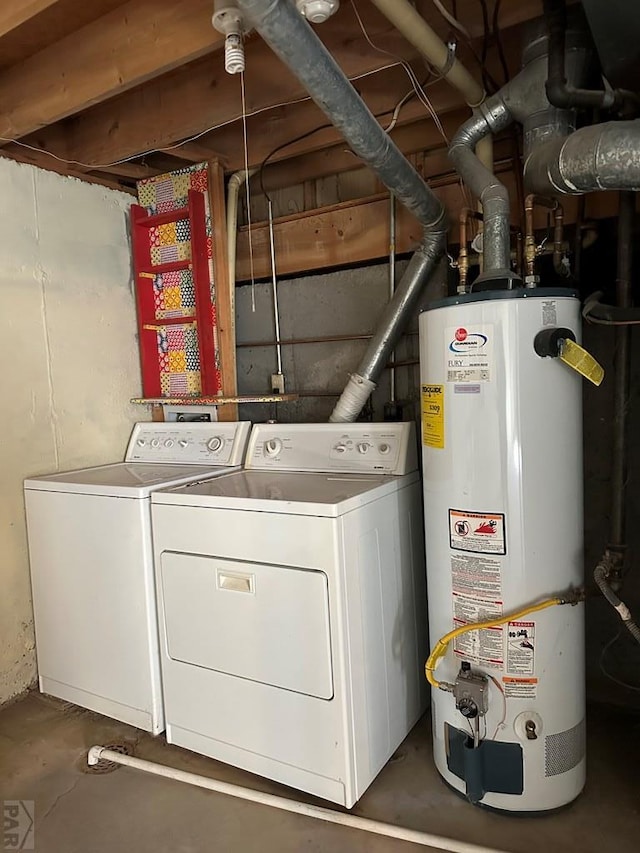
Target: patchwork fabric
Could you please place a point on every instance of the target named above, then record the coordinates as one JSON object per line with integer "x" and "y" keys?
{"x": 174, "y": 292}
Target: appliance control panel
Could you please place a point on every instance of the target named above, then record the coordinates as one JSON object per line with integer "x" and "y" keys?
{"x": 212, "y": 444}
{"x": 381, "y": 448}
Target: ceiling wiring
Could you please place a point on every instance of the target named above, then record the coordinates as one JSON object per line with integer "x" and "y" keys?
{"x": 395, "y": 114}
{"x": 451, "y": 19}
{"x": 169, "y": 148}
{"x": 419, "y": 90}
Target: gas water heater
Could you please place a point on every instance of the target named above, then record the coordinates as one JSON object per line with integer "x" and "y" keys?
{"x": 502, "y": 450}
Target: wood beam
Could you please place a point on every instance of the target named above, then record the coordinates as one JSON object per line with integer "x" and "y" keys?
{"x": 192, "y": 152}
{"x": 14, "y": 13}
{"x": 202, "y": 94}
{"x": 356, "y": 232}
{"x": 131, "y": 170}
{"x": 193, "y": 98}
{"x": 421, "y": 135}
{"x": 126, "y": 47}
{"x": 224, "y": 291}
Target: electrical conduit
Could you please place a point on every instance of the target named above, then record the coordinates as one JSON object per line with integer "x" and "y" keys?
{"x": 295, "y": 43}
{"x": 425, "y": 839}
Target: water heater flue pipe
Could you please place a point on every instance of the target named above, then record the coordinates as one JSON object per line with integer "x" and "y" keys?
{"x": 295, "y": 43}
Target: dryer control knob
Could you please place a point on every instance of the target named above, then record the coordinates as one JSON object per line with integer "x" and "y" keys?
{"x": 155, "y": 442}
{"x": 168, "y": 442}
{"x": 340, "y": 448}
{"x": 272, "y": 447}
{"x": 183, "y": 442}
{"x": 363, "y": 447}
{"x": 384, "y": 448}
{"x": 215, "y": 444}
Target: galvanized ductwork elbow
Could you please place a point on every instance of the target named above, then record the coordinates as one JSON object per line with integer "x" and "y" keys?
{"x": 492, "y": 117}
{"x": 295, "y": 43}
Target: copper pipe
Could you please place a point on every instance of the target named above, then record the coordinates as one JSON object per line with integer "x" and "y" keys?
{"x": 463, "y": 256}
{"x": 326, "y": 340}
{"x": 558, "y": 234}
{"x": 519, "y": 253}
{"x": 558, "y": 240}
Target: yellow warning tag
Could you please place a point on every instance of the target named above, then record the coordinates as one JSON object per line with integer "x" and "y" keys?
{"x": 433, "y": 416}
{"x": 581, "y": 361}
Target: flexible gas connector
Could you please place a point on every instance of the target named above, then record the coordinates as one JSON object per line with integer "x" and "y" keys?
{"x": 601, "y": 575}
{"x": 440, "y": 648}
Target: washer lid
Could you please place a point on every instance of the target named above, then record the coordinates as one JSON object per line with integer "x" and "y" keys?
{"x": 123, "y": 479}
{"x": 291, "y": 494}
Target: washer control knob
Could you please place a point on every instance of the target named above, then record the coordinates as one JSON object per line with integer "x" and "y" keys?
{"x": 141, "y": 442}
{"x": 272, "y": 447}
{"x": 363, "y": 446}
{"x": 183, "y": 442}
{"x": 384, "y": 448}
{"x": 155, "y": 442}
{"x": 340, "y": 448}
{"x": 215, "y": 444}
{"x": 168, "y": 442}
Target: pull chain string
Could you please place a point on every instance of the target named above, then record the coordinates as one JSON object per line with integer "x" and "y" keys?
{"x": 247, "y": 190}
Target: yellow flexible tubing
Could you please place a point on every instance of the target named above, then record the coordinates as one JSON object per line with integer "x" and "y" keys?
{"x": 440, "y": 648}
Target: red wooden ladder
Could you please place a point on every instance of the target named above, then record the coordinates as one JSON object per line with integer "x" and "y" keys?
{"x": 145, "y": 273}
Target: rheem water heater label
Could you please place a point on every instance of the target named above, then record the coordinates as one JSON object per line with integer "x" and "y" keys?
{"x": 469, "y": 353}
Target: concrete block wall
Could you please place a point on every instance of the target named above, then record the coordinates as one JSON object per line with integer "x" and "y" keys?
{"x": 70, "y": 361}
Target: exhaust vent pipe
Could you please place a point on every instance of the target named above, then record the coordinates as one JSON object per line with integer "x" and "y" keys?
{"x": 295, "y": 43}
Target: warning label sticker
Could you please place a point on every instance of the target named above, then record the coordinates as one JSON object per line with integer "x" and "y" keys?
{"x": 484, "y": 647}
{"x": 549, "y": 312}
{"x": 520, "y": 688}
{"x": 433, "y": 416}
{"x": 469, "y": 353}
{"x": 476, "y": 576}
{"x": 521, "y": 641}
{"x": 476, "y": 593}
{"x": 481, "y": 532}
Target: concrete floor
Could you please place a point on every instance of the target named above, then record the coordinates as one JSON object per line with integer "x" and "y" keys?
{"x": 43, "y": 746}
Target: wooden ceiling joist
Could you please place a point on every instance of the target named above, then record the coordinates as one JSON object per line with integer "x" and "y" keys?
{"x": 126, "y": 47}
{"x": 421, "y": 135}
{"x": 202, "y": 95}
{"x": 14, "y": 13}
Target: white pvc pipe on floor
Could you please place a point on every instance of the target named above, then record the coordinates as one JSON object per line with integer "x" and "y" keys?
{"x": 426, "y": 839}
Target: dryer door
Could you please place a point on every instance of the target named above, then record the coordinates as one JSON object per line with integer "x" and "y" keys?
{"x": 266, "y": 623}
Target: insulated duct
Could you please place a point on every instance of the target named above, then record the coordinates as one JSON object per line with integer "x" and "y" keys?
{"x": 295, "y": 43}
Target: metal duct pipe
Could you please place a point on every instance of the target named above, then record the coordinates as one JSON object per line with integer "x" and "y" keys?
{"x": 485, "y": 185}
{"x": 295, "y": 43}
{"x": 599, "y": 157}
{"x": 522, "y": 99}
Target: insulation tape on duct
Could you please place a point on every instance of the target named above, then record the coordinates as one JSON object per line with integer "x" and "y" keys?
{"x": 352, "y": 399}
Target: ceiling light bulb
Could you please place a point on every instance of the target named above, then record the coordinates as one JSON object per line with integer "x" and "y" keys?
{"x": 228, "y": 19}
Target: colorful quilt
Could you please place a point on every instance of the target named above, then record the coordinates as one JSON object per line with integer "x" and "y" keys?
{"x": 174, "y": 292}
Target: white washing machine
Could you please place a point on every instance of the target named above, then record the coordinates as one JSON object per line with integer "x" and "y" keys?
{"x": 292, "y": 606}
{"x": 91, "y": 560}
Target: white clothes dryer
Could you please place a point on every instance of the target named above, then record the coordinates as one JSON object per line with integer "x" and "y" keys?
{"x": 292, "y": 606}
